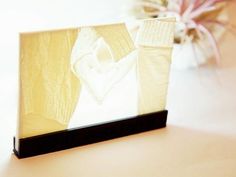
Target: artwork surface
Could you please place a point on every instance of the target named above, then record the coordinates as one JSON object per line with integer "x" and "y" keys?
{"x": 78, "y": 77}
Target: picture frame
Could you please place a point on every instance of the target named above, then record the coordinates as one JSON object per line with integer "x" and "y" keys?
{"x": 89, "y": 84}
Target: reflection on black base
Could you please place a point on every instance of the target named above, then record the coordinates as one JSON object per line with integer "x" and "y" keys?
{"x": 70, "y": 138}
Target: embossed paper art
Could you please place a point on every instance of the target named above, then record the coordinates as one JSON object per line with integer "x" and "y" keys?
{"x": 78, "y": 77}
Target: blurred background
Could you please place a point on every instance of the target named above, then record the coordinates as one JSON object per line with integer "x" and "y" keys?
{"x": 203, "y": 75}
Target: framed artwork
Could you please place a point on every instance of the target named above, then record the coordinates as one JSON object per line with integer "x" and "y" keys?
{"x": 93, "y": 83}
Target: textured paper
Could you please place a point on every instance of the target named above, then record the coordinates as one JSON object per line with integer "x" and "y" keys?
{"x": 81, "y": 76}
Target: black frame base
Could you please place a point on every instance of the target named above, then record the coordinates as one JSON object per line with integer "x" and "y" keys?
{"x": 70, "y": 138}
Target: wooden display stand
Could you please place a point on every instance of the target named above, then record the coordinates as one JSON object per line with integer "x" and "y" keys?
{"x": 70, "y": 138}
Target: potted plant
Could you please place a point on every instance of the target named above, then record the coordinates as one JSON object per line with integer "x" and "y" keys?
{"x": 200, "y": 24}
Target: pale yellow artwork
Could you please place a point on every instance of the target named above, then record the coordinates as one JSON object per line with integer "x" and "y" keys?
{"x": 94, "y": 74}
